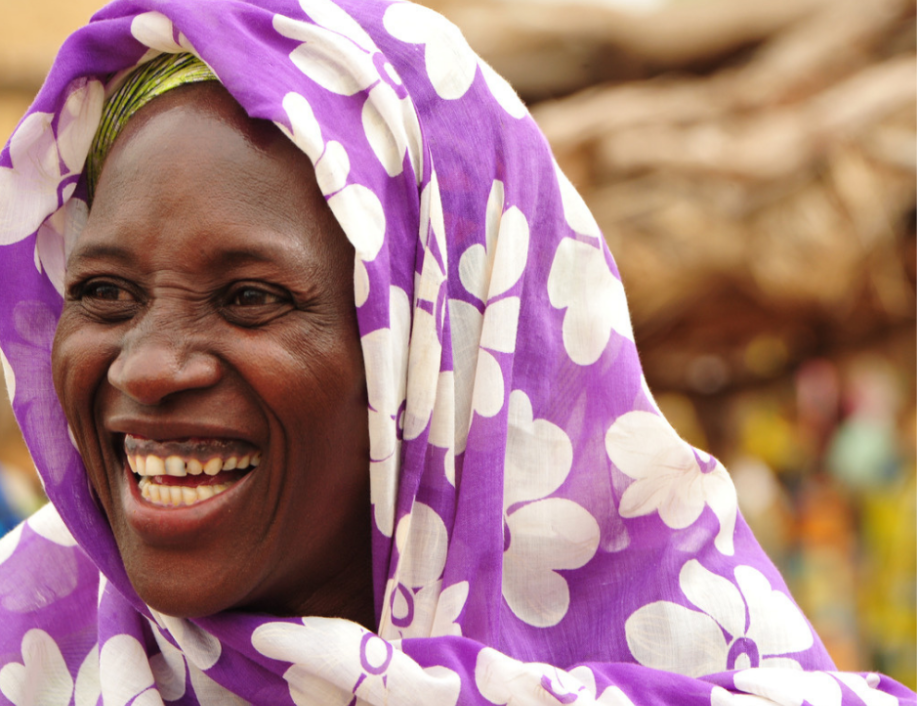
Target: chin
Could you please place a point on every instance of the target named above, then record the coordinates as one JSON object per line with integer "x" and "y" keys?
{"x": 177, "y": 588}
{"x": 189, "y": 605}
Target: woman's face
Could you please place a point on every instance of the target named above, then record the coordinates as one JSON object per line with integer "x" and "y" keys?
{"x": 209, "y": 323}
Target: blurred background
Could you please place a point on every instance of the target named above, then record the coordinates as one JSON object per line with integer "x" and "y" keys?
{"x": 752, "y": 166}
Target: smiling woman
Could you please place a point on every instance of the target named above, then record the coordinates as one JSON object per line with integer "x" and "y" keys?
{"x": 348, "y": 408}
{"x": 209, "y": 322}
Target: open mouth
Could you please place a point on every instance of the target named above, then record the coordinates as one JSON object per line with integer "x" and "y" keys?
{"x": 185, "y": 472}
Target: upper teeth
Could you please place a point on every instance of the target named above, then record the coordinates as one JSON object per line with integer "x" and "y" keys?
{"x": 177, "y": 466}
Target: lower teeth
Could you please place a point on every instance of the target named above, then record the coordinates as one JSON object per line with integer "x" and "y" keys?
{"x": 178, "y": 495}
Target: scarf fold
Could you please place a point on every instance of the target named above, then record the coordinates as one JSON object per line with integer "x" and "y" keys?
{"x": 540, "y": 532}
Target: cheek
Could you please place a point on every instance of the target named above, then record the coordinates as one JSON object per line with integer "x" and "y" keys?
{"x": 62, "y": 360}
{"x": 309, "y": 372}
{"x": 315, "y": 387}
{"x": 79, "y": 359}
{"x": 79, "y": 364}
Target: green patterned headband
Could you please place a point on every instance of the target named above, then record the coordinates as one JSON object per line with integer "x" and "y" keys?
{"x": 154, "y": 78}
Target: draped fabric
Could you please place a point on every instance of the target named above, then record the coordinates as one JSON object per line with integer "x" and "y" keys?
{"x": 541, "y": 534}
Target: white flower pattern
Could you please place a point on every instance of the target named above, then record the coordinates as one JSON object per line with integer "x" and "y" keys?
{"x": 668, "y": 478}
{"x": 56, "y": 238}
{"x": 9, "y": 377}
{"x": 88, "y": 687}
{"x": 793, "y": 687}
{"x": 866, "y": 688}
{"x": 443, "y": 423}
{"x": 415, "y": 604}
{"x": 36, "y": 185}
{"x": 425, "y": 350}
{"x": 331, "y": 59}
{"x": 789, "y": 687}
{"x": 581, "y": 282}
{"x": 356, "y": 207}
{"x": 200, "y": 647}
{"x": 155, "y": 30}
{"x": 487, "y": 272}
{"x": 669, "y": 636}
{"x": 547, "y": 534}
{"x": 505, "y": 681}
{"x": 576, "y": 212}
{"x": 58, "y": 565}
{"x": 358, "y": 667}
{"x": 10, "y": 541}
{"x": 385, "y": 352}
{"x": 392, "y": 127}
{"x": 41, "y": 678}
{"x": 362, "y": 219}
{"x": 341, "y": 57}
{"x": 450, "y": 62}
{"x": 169, "y": 673}
{"x": 48, "y": 523}
{"x": 416, "y": 370}
{"x": 124, "y": 670}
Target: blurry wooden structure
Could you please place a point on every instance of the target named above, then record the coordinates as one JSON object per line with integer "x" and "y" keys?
{"x": 752, "y": 166}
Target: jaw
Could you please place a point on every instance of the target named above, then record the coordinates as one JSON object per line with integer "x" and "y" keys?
{"x": 184, "y": 559}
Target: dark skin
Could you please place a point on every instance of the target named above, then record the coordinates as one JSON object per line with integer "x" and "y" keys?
{"x": 210, "y": 296}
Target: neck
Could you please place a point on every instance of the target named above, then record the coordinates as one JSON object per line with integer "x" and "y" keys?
{"x": 348, "y": 595}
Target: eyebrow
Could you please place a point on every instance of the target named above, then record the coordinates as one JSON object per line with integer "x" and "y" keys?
{"x": 99, "y": 251}
{"x": 226, "y": 258}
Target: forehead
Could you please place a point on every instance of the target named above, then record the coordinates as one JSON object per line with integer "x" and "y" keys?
{"x": 192, "y": 161}
{"x": 204, "y": 101}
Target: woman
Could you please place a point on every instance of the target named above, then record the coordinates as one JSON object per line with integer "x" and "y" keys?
{"x": 220, "y": 317}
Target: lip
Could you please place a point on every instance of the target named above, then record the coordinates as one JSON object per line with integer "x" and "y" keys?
{"x": 204, "y": 451}
{"x": 171, "y": 526}
{"x": 175, "y": 430}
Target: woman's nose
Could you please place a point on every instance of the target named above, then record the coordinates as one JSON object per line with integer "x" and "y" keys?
{"x": 157, "y": 360}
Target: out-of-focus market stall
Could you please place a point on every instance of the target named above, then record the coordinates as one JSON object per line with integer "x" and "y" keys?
{"x": 752, "y": 166}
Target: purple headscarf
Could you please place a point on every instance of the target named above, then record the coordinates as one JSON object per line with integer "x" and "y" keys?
{"x": 541, "y": 534}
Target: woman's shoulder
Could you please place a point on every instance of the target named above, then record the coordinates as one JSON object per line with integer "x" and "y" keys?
{"x": 48, "y": 586}
{"x": 45, "y": 524}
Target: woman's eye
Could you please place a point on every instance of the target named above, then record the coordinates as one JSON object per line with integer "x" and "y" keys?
{"x": 105, "y": 300}
{"x": 106, "y": 291}
{"x": 250, "y": 296}
{"x": 253, "y": 306}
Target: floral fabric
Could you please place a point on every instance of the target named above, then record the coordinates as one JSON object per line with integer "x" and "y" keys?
{"x": 541, "y": 534}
